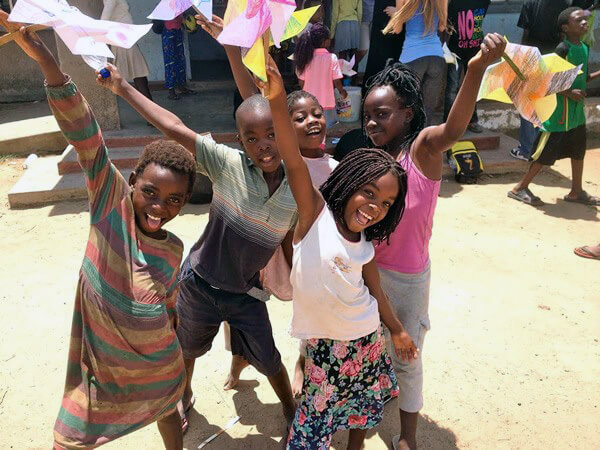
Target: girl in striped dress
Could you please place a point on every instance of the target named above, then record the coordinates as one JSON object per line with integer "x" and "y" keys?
{"x": 125, "y": 367}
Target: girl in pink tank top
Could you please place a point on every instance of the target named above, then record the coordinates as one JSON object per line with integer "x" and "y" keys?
{"x": 394, "y": 119}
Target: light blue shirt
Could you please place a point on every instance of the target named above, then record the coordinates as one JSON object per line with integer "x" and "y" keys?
{"x": 415, "y": 44}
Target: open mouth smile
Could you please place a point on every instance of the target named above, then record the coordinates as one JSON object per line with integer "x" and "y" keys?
{"x": 154, "y": 223}
{"x": 363, "y": 218}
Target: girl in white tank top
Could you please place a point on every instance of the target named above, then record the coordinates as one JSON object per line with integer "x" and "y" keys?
{"x": 338, "y": 301}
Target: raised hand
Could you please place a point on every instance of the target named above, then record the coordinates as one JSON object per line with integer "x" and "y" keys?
{"x": 213, "y": 28}
{"x": 492, "y": 48}
{"x": 115, "y": 82}
{"x": 404, "y": 346}
{"x": 274, "y": 87}
{"x": 28, "y": 41}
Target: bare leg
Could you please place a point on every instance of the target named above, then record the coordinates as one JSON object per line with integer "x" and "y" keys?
{"x": 238, "y": 363}
{"x": 356, "y": 438}
{"x": 298, "y": 382}
{"x": 534, "y": 169}
{"x": 281, "y": 386}
{"x": 189, "y": 370}
{"x": 408, "y": 424}
{"x": 141, "y": 84}
{"x": 577, "y": 175}
{"x": 360, "y": 55}
{"x": 170, "y": 431}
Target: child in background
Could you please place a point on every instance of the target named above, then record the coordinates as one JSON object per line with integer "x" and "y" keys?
{"x": 318, "y": 70}
{"x": 346, "y": 16}
{"x": 125, "y": 367}
{"x": 422, "y": 48}
{"x": 174, "y": 58}
{"x": 338, "y": 302}
{"x": 394, "y": 119}
{"x": 564, "y": 134}
{"x": 310, "y": 126}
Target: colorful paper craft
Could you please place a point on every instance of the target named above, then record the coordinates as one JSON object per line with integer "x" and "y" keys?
{"x": 260, "y": 15}
{"x": 534, "y": 97}
{"x": 346, "y": 66}
{"x": 83, "y": 35}
{"x": 254, "y": 58}
{"x": 169, "y": 9}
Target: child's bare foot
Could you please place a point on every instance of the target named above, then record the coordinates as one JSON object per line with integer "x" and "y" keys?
{"x": 238, "y": 363}
{"x": 298, "y": 381}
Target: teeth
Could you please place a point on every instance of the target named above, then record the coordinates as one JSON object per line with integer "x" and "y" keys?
{"x": 154, "y": 218}
{"x": 365, "y": 215}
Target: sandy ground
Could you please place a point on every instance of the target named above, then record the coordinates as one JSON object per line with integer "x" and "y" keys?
{"x": 512, "y": 359}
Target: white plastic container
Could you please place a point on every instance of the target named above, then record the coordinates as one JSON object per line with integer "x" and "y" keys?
{"x": 29, "y": 161}
{"x": 353, "y": 114}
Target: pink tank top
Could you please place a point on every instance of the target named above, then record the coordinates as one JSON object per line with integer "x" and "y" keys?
{"x": 408, "y": 250}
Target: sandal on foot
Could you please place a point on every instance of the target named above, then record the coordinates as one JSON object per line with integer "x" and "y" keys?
{"x": 585, "y": 252}
{"x": 584, "y": 198}
{"x": 185, "y": 424}
{"x": 190, "y": 404}
{"x": 526, "y": 196}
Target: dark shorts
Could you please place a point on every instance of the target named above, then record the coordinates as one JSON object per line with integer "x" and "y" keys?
{"x": 201, "y": 308}
{"x": 560, "y": 145}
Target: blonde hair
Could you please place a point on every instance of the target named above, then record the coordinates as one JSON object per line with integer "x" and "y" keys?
{"x": 411, "y": 7}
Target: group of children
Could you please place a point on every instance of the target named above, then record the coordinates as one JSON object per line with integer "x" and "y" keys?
{"x": 359, "y": 233}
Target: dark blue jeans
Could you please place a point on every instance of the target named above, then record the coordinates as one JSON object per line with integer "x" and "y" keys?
{"x": 454, "y": 75}
{"x": 527, "y": 136}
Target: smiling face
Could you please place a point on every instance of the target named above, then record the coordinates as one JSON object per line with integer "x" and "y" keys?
{"x": 577, "y": 24}
{"x": 371, "y": 203}
{"x": 158, "y": 195}
{"x": 257, "y": 137}
{"x": 310, "y": 125}
{"x": 386, "y": 118}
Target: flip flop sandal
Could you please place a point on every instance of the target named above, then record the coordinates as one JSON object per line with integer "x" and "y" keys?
{"x": 526, "y": 196}
{"x": 584, "y": 198}
{"x": 185, "y": 424}
{"x": 584, "y": 252}
{"x": 190, "y": 404}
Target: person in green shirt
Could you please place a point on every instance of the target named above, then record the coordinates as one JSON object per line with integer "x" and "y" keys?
{"x": 564, "y": 133}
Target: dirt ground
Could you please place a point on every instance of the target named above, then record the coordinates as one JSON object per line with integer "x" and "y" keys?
{"x": 512, "y": 360}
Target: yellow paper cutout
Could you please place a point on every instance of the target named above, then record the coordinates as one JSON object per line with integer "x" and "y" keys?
{"x": 254, "y": 60}
{"x": 535, "y": 97}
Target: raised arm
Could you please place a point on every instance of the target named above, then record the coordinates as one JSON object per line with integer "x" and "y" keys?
{"x": 167, "y": 122}
{"x": 109, "y": 7}
{"x": 433, "y": 141}
{"x": 243, "y": 79}
{"x": 403, "y": 343}
{"x": 308, "y": 199}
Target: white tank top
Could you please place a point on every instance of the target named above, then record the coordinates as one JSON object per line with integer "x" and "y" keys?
{"x": 331, "y": 300}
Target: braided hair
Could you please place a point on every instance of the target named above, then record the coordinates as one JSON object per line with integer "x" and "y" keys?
{"x": 360, "y": 167}
{"x": 294, "y": 96}
{"x": 311, "y": 38}
{"x": 407, "y": 86}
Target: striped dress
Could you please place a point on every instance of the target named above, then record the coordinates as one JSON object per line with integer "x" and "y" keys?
{"x": 125, "y": 368}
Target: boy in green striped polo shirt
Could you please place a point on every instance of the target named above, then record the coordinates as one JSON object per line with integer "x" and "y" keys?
{"x": 564, "y": 134}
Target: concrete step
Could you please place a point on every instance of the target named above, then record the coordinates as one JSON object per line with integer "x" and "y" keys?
{"x": 42, "y": 184}
{"x": 40, "y": 135}
{"x": 122, "y": 157}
